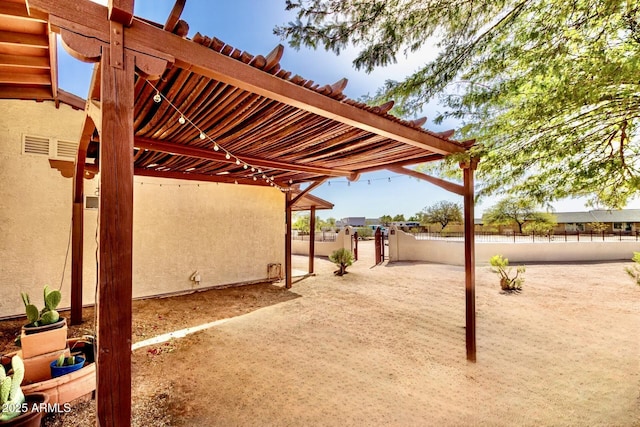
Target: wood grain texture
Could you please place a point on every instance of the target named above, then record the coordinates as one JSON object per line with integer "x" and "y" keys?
{"x": 469, "y": 260}
{"x": 116, "y": 242}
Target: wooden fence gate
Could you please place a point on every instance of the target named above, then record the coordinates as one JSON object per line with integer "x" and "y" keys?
{"x": 379, "y": 243}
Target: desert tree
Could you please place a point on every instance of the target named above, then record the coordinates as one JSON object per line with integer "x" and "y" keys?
{"x": 550, "y": 89}
{"x": 518, "y": 212}
{"x": 443, "y": 213}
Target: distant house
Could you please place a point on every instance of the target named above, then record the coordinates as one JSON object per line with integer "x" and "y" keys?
{"x": 625, "y": 220}
{"x": 353, "y": 221}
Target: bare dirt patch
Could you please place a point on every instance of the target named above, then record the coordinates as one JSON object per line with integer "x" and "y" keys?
{"x": 386, "y": 346}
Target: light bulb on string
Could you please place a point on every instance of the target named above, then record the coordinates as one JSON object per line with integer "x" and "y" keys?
{"x": 253, "y": 169}
{"x": 181, "y": 120}
{"x": 227, "y": 156}
{"x": 238, "y": 162}
{"x": 157, "y": 98}
{"x": 215, "y": 147}
{"x": 202, "y": 135}
{"x": 259, "y": 170}
{"x": 255, "y": 179}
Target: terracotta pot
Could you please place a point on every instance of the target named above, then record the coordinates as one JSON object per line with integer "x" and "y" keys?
{"x": 44, "y": 341}
{"x": 58, "y": 371}
{"x": 65, "y": 388}
{"x": 32, "y": 418}
{"x": 28, "y": 329}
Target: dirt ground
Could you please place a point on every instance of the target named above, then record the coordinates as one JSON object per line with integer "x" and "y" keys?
{"x": 385, "y": 345}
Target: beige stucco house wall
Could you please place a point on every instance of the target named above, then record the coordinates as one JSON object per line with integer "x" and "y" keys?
{"x": 228, "y": 233}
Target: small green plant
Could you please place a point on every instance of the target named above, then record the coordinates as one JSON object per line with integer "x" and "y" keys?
{"x": 634, "y": 271}
{"x": 500, "y": 266}
{"x": 48, "y": 314}
{"x": 65, "y": 361}
{"x": 11, "y": 396}
{"x": 343, "y": 258}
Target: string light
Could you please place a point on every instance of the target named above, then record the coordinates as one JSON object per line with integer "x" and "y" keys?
{"x": 158, "y": 97}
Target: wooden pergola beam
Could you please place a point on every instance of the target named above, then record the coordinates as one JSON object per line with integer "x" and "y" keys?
{"x": 218, "y": 156}
{"x": 143, "y": 37}
{"x": 449, "y": 186}
{"x": 225, "y": 179}
{"x": 310, "y": 188}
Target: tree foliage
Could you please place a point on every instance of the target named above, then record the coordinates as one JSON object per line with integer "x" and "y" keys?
{"x": 516, "y": 212}
{"x": 386, "y": 220}
{"x": 443, "y": 213}
{"x": 549, "y": 88}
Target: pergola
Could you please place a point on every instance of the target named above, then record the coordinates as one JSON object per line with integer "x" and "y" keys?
{"x": 163, "y": 105}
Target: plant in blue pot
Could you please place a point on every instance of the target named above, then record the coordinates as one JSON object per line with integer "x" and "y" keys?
{"x": 65, "y": 365}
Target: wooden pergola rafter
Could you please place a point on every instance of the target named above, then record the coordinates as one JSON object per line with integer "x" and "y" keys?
{"x": 293, "y": 130}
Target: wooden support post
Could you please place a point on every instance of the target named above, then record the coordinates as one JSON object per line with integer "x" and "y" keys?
{"x": 378, "y": 239}
{"x": 77, "y": 230}
{"x": 312, "y": 237}
{"x": 288, "y": 270}
{"x": 77, "y": 246}
{"x": 355, "y": 245}
{"x": 469, "y": 258}
{"x": 115, "y": 250}
{"x": 77, "y": 249}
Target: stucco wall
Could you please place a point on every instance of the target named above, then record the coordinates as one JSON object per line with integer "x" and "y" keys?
{"x": 343, "y": 240}
{"x": 229, "y": 233}
{"x": 404, "y": 247}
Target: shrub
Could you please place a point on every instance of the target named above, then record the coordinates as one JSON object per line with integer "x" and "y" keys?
{"x": 500, "y": 266}
{"x": 343, "y": 258}
{"x": 364, "y": 232}
{"x": 634, "y": 271}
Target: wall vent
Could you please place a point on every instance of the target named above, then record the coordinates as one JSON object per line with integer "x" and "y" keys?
{"x": 35, "y": 145}
{"x": 66, "y": 149}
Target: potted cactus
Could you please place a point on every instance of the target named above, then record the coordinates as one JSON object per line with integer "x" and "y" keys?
{"x": 47, "y": 318}
{"x": 16, "y": 409}
{"x": 65, "y": 365}
{"x": 44, "y": 338}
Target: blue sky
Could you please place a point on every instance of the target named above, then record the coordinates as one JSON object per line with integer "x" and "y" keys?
{"x": 248, "y": 25}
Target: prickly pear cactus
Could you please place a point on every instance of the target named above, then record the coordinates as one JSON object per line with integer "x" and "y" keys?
{"x": 49, "y": 317}
{"x": 51, "y": 298}
{"x": 48, "y": 314}
{"x": 11, "y": 396}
